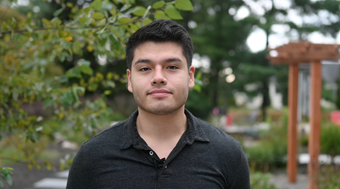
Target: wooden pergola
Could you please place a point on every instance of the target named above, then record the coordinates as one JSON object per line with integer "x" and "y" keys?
{"x": 293, "y": 54}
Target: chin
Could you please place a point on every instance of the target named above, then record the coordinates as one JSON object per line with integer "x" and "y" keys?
{"x": 160, "y": 110}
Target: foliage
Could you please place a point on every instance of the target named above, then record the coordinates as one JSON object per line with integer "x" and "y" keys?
{"x": 260, "y": 180}
{"x": 270, "y": 151}
{"x": 30, "y": 45}
{"x": 6, "y": 173}
{"x": 329, "y": 177}
{"x": 330, "y": 139}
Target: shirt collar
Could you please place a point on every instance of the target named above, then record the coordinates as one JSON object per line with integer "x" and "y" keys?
{"x": 193, "y": 133}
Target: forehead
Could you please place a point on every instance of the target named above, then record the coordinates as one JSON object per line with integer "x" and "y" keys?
{"x": 156, "y": 49}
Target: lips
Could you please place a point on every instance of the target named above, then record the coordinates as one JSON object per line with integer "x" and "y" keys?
{"x": 159, "y": 93}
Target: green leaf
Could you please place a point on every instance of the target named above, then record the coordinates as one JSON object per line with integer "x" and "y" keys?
{"x": 139, "y": 11}
{"x": 125, "y": 7}
{"x": 1, "y": 184}
{"x": 184, "y": 5}
{"x": 173, "y": 13}
{"x": 96, "y": 5}
{"x": 46, "y": 22}
{"x": 113, "y": 11}
{"x": 82, "y": 20}
{"x": 80, "y": 90}
{"x": 147, "y": 21}
{"x": 75, "y": 91}
{"x": 86, "y": 70}
{"x": 134, "y": 28}
{"x": 197, "y": 88}
{"x": 161, "y": 15}
{"x": 84, "y": 62}
{"x": 35, "y": 36}
{"x": 34, "y": 137}
{"x": 58, "y": 12}
{"x": 47, "y": 102}
{"x": 111, "y": 84}
{"x": 124, "y": 20}
{"x": 74, "y": 72}
{"x": 92, "y": 87}
{"x": 107, "y": 92}
{"x": 16, "y": 37}
{"x": 67, "y": 99}
{"x": 98, "y": 16}
{"x": 112, "y": 19}
{"x": 158, "y": 5}
{"x": 62, "y": 79}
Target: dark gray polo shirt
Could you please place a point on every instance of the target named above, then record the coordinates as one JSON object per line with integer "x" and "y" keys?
{"x": 118, "y": 158}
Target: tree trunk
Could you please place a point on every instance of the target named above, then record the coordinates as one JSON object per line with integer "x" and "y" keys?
{"x": 266, "y": 99}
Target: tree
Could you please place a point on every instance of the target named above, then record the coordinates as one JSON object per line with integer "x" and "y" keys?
{"x": 219, "y": 36}
{"x": 28, "y": 48}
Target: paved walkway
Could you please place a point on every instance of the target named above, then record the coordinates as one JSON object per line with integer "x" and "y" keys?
{"x": 280, "y": 180}
{"x": 56, "y": 181}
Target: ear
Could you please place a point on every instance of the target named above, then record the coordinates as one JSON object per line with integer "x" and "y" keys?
{"x": 191, "y": 77}
{"x": 128, "y": 73}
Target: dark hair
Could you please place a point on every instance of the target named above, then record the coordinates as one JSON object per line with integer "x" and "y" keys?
{"x": 160, "y": 31}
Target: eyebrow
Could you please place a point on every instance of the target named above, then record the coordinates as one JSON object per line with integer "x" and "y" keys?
{"x": 169, "y": 60}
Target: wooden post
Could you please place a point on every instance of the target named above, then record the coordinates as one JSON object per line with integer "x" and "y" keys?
{"x": 315, "y": 121}
{"x": 292, "y": 122}
{"x": 291, "y": 54}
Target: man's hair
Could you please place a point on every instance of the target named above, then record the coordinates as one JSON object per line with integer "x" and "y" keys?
{"x": 160, "y": 31}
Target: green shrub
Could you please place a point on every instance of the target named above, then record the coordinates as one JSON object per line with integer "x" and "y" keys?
{"x": 270, "y": 151}
{"x": 330, "y": 140}
{"x": 329, "y": 177}
{"x": 260, "y": 180}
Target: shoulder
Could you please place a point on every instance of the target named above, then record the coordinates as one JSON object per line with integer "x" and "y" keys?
{"x": 228, "y": 154}
{"x": 112, "y": 136}
{"x": 218, "y": 136}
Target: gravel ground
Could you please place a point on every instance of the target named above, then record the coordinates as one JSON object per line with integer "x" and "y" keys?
{"x": 280, "y": 180}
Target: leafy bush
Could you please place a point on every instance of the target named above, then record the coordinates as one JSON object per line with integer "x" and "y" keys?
{"x": 329, "y": 177}
{"x": 270, "y": 151}
{"x": 330, "y": 140}
{"x": 30, "y": 45}
{"x": 260, "y": 180}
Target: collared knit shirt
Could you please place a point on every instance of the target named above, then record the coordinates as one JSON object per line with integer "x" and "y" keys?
{"x": 118, "y": 158}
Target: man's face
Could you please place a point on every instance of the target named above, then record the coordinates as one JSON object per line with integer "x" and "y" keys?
{"x": 159, "y": 77}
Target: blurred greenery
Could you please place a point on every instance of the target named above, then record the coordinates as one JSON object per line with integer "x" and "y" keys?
{"x": 330, "y": 140}
{"x": 259, "y": 180}
{"x": 269, "y": 152}
{"x": 53, "y": 79}
{"x": 329, "y": 177}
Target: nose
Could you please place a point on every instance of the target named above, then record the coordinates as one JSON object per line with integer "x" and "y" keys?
{"x": 158, "y": 77}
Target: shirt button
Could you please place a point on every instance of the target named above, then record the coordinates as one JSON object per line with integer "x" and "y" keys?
{"x": 166, "y": 167}
{"x": 151, "y": 153}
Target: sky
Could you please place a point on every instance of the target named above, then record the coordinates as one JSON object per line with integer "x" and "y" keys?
{"x": 256, "y": 40}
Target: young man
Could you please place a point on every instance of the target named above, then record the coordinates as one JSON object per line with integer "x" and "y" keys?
{"x": 161, "y": 145}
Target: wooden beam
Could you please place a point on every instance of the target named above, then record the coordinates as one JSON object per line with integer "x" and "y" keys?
{"x": 292, "y": 122}
{"x": 315, "y": 122}
{"x": 307, "y": 59}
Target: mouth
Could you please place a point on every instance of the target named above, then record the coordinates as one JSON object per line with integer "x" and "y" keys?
{"x": 159, "y": 93}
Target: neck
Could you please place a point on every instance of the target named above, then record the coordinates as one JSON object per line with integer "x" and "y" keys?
{"x": 162, "y": 127}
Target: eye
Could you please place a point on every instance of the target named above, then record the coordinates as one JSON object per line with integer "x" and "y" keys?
{"x": 172, "y": 67}
{"x": 144, "y": 69}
